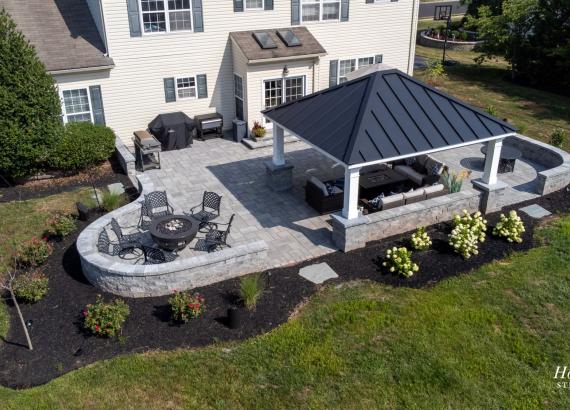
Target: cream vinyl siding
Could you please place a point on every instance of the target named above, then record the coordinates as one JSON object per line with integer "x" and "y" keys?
{"x": 133, "y": 91}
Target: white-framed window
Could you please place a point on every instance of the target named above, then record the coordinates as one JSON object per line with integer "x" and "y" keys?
{"x": 253, "y": 4}
{"x": 352, "y": 64}
{"x": 320, "y": 10}
{"x": 164, "y": 16}
{"x": 76, "y": 105}
{"x": 280, "y": 90}
{"x": 238, "y": 95}
{"x": 186, "y": 87}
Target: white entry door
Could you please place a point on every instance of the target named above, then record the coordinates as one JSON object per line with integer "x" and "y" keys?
{"x": 280, "y": 90}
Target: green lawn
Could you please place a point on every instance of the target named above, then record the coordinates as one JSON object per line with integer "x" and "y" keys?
{"x": 25, "y": 219}
{"x": 491, "y": 339}
{"x": 537, "y": 112}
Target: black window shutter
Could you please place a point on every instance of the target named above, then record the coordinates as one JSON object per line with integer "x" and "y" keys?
{"x": 134, "y": 18}
{"x": 369, "y": 1}
{"x": 333, "y": 73}
{"x": 198, "y": 16}
{"x": 344, "y": 10}
{"x": 295, "y": 12}
{"x": 238, "y": 5}
{"x": 202, "y": 86}
{"x": 378, "y": 58}
{"x": 169, "y": 90}
{"x": 97, "y": 104}
{"x": 268, "y": 5}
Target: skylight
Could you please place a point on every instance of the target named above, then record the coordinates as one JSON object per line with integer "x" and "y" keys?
{"x": 289, "y": 38}
{"x": 264, "y": 40}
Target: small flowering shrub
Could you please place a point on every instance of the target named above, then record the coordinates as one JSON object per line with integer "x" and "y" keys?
{"x": 105, "y": 319}
{"x": 399, "y": 260}
{"x": 468, "y": 231}
{"x": 510, "y": 227}
{"x": 420, "y": 240}
{"x": 34, "y": 252}
{"x": 31, "y": 287}
{"x": 61, "y": 225}
{"x": 186, "y": 306}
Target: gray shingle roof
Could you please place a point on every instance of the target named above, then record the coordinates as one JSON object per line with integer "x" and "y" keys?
{"x": 252, "y": 51}
{"x": 62, "y": 31}
{"x": 384, "y": 115}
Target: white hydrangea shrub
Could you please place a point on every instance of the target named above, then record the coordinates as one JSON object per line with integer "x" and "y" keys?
{"x": 399, "y": 260}
{"x": 468, "y": 231}
{"x": 510, "y": 227}
{"x": 420, "y": 239}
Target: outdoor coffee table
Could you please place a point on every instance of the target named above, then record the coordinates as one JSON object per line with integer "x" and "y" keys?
{"x": 508, "y": 158}
{"x": 173, "y": 232}
{"x": 382, "y": 180}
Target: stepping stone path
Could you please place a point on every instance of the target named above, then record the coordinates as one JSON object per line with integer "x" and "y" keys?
{"x": 535, "y": 211}
{"x": 318, "y": 273}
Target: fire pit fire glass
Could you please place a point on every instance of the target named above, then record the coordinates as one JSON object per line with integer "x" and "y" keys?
{"x": 173, "y": 232}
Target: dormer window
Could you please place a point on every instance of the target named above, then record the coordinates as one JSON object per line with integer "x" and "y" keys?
{"x": 163, "y": 16}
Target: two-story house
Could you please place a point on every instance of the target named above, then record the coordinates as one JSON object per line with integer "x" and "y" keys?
{"x": 122, "y": 62}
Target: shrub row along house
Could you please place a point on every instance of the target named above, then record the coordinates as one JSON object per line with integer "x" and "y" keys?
{"x": 121, "y": 63}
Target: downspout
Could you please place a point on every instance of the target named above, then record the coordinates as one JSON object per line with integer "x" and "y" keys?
{"x": 413, "y": 30}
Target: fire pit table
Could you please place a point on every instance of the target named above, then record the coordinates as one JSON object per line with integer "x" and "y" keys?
{"x": 173, "y": 232}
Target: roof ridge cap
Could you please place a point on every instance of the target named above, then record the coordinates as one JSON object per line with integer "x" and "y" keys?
{"x": 372, "y": 79}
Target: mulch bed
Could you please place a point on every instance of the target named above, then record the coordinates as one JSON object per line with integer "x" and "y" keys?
{"x": 101, "y": 175}
{"x": 61, "y": 345}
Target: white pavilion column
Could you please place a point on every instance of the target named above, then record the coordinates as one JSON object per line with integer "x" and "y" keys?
{"x": 351, "y": 179}
{"x": 278, "y": 145}
{"x": 492, "y": 162}
{"x": 279, "y": 173}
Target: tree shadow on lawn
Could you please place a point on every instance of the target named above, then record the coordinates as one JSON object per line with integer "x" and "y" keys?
{"x": 540, "y": 104}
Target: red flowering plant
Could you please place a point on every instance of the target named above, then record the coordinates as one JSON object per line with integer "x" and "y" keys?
{"x": 186, "y": 306}
{"x": 34, "y": 252}
{"x": 105, "y": 319}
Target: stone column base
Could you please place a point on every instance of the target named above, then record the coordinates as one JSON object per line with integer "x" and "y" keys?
{"x": 279, "y": 177}
{"x": 349, "y": 234}
{"x": 493, "y": 195}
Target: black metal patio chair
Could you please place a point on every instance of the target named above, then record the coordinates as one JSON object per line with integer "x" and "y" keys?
{"x": 155, "y": 204}
{"x": 125, "y": 239}
{"x": 124, "y": 250}
{"x": 217, "y": 238}
{"x": 154, "y": 256}
{"x": 208, "y": 210}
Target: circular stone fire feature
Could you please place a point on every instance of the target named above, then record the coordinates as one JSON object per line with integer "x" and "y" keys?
{"x": 173, "y": 232}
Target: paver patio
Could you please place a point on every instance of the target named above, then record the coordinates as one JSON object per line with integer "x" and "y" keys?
{"x": 291, "y": 228}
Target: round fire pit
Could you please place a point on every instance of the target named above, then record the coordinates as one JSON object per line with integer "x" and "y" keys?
{"x": 173, "y": 232}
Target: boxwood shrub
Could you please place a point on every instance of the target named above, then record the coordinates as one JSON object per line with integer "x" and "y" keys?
{"x": 83, "y": 144}
{"x": 31, "y": 287}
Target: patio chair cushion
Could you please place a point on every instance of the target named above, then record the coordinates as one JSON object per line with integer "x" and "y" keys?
{"x": 433, "y": 190}
{"x": 373, "y": 168}
{"x": 410, "y": 173}
{"x": 421, "y": 159}
{"x": 391, "y": 201}
{"x": 414, "y": 196}
{"x": 319, "y": 184}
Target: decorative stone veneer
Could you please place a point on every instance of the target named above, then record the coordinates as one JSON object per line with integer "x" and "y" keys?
{"x": 427, "y": 41}
{"x": 353, "y": 234}
{"x": 121, "y": 278}
{"x": 556, "y": 161}
{"x": 126, "y": 160}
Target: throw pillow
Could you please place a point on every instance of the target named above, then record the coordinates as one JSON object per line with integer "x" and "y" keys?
{"x": 435, "y": 168}
{"x": 376, "y": 201}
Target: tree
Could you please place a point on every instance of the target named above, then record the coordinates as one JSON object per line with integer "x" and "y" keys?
{"x": 532, "y": 35}
{"x": 29, "y": 104}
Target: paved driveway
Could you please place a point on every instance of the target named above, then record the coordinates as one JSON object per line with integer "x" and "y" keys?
{"x": 427, "y": 9}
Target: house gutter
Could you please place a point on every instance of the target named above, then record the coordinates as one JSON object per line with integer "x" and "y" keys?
{"x": 80, "y": 70}
{"x": 290, "y": 58}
